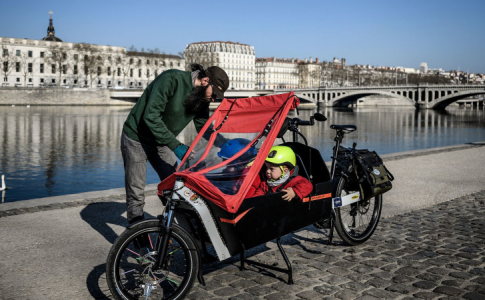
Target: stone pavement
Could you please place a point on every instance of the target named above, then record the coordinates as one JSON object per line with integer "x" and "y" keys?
{"x": 432, "y": 253}
{"x": 429, "y": 244}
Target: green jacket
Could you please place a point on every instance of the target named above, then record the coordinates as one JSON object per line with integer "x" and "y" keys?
{"x": 159, "y": 115}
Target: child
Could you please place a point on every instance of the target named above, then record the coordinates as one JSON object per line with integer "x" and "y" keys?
{"x": 280, "y": 165}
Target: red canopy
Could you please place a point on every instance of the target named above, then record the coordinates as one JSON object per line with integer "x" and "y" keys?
{"x": 254, "y": 116}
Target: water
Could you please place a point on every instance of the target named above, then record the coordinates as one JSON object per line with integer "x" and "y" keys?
{"x": 50, "y": 151}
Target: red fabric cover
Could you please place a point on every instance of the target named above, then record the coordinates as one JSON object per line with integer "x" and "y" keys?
{"x": 300, "y": 185}
{"x": 248, "y": 115}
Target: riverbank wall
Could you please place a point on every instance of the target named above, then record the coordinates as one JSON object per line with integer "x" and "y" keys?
{"x": 58, "y": 96}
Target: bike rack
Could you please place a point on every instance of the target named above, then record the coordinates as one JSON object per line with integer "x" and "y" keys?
{"x": 288, "y": 271}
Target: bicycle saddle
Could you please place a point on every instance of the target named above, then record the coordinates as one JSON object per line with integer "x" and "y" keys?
{"x": 348, "y": 128}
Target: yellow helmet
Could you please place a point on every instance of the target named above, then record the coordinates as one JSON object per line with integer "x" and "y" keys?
{"x": 282, "y": 155}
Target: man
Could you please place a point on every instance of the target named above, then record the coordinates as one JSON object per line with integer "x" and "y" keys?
{"x": 165, "y": 108}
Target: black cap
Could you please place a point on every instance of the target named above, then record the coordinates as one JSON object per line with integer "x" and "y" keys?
{"x": 219, "y": 80}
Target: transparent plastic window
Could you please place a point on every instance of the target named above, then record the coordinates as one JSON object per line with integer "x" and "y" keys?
{"x": 235, "y": 153}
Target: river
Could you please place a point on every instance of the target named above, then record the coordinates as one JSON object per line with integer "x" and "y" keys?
{"x": 58, "y": 150}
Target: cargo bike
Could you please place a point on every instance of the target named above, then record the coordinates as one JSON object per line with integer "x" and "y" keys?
{"x": 205, "y": 204}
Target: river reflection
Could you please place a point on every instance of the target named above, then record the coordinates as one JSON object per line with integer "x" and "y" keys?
{"x": 49, "y": 151}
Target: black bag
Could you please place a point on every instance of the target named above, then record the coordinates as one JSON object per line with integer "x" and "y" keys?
{"x": 374, "y": 178}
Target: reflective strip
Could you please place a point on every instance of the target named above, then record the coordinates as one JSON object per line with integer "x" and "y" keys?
{"x": 236, "y": 219}
{"x": 317, "y": 197}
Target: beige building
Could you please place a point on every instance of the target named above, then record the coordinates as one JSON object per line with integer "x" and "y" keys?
{"x": 276, "y": 73}
{"x": 309, "y": 72}
{"x": 52, "y": 62}
{"x": 238, "y": 60}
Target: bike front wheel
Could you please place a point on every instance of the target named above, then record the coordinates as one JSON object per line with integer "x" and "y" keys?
{"x": 355, "y": 223}
{"x": 129, "y": 267}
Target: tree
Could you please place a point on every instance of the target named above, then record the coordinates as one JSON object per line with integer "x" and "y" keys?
{"x": 125, "y": 63}
{"x": 8, "y": 61}
{"x": 59, "y": 57}
{"x": 27, "y": 66}
{"x": 92, "y": 59}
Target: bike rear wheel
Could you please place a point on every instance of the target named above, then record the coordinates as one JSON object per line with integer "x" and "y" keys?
{"x": 129, "y": 265}
{"x": 355, "y": 223}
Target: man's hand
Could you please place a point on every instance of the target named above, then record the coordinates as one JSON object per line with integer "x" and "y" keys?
{"x": 290, "y": 194}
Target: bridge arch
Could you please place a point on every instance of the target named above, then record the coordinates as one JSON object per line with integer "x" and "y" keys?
{"x": 441, "y": 103}
{"x": 351, "y": 97}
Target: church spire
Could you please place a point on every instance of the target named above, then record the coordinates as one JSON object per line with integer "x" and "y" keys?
{"x": 51, "y": 31}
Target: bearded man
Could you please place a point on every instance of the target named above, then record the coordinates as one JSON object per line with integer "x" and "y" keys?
{"x": 150, "y": 131}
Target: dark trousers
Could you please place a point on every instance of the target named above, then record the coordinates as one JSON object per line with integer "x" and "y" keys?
{"x": 135, "y": 156}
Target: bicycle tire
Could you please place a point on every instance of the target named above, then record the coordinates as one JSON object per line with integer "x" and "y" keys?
{"x": 355, "y": 223}
{"x": 128, "y": 268}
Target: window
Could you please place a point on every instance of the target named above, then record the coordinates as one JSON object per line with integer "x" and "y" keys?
{"x": 18, "y": 79}
{"x": 75, "y": 70}
{"x": 119, "y": 72}
{"x": 64, "y": 69}
{"x": 17, "y": 67}
{"x": 30, "y": 67}
{"x": 5, "y": 52}
{"x": 75, "y": 81}
{"x": 109, "y": 71}
{"x": 99, "y": 71}
{"x": 86, "y": 70}
{"x": 131, "y": 61}
{"x": 30, "y": 79}
{"x": 131, "y": 72}
{"x": 148, "y": 61}
{"x": 64, "y": 81}
{"x": 42, "y": 54}
{"x": 76, "y": 56}
{"x": 64, "y": 56}
{"x": 42, "y": 68}
{"x": 30, "y": 53}
{"x": 171, "y": 64}
{"x": 53, "y": 67}
{"x": 139, "y": 72}
{"x": 17, "y": 52}
{"x": 148, "y": 73}
{"x": 53, "y": 81}
{"x": 53, "y": 55}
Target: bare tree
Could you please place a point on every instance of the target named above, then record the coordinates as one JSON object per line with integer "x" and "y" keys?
{"x": 125, "y": 63}
{"x": 27, "y": 66}
{"x": 8, "y": 61}
{"x": 92, "y": 59}
{"x": 59, "y": 57}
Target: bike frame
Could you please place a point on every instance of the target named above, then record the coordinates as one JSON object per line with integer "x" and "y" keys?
{"x": 229, "y": 240}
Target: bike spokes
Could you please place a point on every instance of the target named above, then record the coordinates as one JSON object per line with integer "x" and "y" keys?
{"x": 137, "y": 274}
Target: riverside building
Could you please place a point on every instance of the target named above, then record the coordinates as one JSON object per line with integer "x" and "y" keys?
{"x": 238, "y": 60}
{"x": 276, "y": 73}
{"x": 51, "y": 62}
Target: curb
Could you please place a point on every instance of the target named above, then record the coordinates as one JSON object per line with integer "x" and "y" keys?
{"x": 118, "y": 195}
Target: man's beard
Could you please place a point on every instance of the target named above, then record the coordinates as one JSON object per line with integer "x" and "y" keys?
{"x": 195, "y": 102}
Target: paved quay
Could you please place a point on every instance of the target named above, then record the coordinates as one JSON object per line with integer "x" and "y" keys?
{"x": 430, "y": 243}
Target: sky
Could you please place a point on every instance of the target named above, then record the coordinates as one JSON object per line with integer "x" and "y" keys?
{"x": 444, "y": 34}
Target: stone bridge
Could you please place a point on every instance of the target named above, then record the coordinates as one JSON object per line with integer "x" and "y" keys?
{"x": 428, "y": 96}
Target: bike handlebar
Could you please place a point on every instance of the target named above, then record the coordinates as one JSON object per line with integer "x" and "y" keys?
{"x": 311, "y": 122}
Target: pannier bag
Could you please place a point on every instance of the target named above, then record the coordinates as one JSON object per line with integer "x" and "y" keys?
{"x": 374, "y": 177}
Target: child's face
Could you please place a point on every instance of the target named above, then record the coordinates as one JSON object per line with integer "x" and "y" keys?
{"x": 273, "y": 171}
